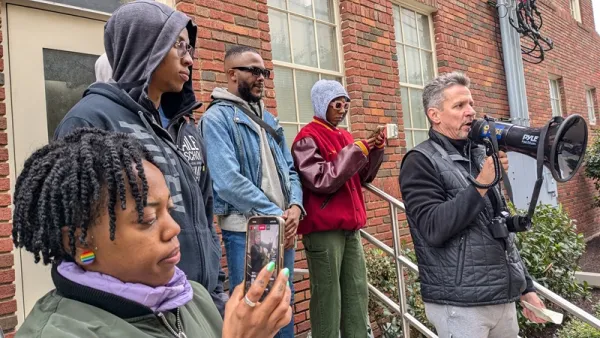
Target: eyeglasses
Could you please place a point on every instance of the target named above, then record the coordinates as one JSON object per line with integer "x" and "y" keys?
{"x": 256, "y": 71}
{"x": 183, "y": 48}
{"x": 338, "y": 105}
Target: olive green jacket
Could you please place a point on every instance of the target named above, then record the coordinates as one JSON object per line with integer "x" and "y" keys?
{"x": 73, "y": 310}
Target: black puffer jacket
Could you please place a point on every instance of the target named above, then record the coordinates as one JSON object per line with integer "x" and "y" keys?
{"x": 460, "y": 262}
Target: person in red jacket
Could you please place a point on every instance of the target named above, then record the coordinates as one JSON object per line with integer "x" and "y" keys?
{"x": 332, "y": 168}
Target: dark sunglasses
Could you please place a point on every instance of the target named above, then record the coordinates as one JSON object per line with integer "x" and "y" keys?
{"x": 184, "y": 47}
{"x": 256, "y": 71}
{"x": 338, "y": 105}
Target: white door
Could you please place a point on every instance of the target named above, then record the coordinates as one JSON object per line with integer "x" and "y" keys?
{"x": 51, "y": 63}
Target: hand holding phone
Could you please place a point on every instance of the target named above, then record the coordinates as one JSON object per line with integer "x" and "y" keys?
{"x": 377, "y": 131}
{"x": 264, "y": 244}
{"x": 245, "y": 316}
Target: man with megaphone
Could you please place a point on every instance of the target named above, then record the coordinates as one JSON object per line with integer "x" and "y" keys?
{"x": 471, "y": 273}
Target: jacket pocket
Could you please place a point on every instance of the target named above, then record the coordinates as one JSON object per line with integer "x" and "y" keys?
{"x": 461, "y": 260}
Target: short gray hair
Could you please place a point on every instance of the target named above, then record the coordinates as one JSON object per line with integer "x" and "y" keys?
{"x": 433, "y": 94}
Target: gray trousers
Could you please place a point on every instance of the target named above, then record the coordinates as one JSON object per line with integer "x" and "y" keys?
{"x": 493, "y": 321}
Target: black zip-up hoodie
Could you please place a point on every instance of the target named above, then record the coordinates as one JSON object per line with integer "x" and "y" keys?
{"x": 137, "y": 37}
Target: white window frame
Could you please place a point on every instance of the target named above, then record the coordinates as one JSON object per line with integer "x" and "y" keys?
{"x": 427, "y": 11}
{"x": 555, "y": 80}
{"x": 589, "y": 98}
{"x": 293, "y": 67}
{"x": 575, "y": 10}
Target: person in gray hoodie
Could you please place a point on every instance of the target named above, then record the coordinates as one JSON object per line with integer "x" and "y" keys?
{"x": 150, "y": 49}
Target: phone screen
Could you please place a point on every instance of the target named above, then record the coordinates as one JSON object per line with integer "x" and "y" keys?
{"x": 262, "y": 247}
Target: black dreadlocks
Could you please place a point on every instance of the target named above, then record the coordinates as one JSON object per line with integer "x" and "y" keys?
{"x": 65, "y": 183}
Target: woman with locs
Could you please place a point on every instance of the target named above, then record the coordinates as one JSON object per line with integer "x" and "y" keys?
{"x": 96, "y": 207}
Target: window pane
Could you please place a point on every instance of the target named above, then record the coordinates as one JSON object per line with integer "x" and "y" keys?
{"x": 414, "y": 66}
{"x": 397, "y": 26}
{"x": 405, "y": 107}
{"x": 331, "y": 77}
{"x": 327, "y": 47}
{"x": 409, "y": 139}
{"x": 427, "y": 60}
{"x": 277, "y": 3}
{"x": 401, "y": 63}
{"x": 420, "y": 136}
{"x": 304, "y": 84}
{"x": 107, "y": 6}
{"x": 416, "y": 104}
{"x": 284, "y": 94}
{"x": 290, "y": 131}
{"x": 280, "y": 36}
{"x": 424, "y": 35}
{"x": 555, "y": 108}
{"x": 303, "y": 7}
{"x": 303, "y": 33}
{"x": 409, "y": 26}
{"x": 324, "y": 10}
{"x": 66, "y": 76}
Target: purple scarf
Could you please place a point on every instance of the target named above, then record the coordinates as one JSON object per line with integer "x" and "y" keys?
{"x": 176, "y": 293}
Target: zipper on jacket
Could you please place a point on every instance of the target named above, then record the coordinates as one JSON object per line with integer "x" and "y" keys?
{"x": 195, "y": 187}
{"x": 508, "y": 269}
{"x": 461, "y": 262}
{"x": 181, "y": 334}
{"x": 326, "y": 201}
{"x": 173, "y": 168}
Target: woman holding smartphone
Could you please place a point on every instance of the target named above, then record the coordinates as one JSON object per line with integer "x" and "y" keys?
{"x": 333, "y": 167}
{"x": 95, "y": 206}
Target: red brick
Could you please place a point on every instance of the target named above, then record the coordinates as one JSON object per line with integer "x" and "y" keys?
{"x": 4, "y": 183}
{"x": 8, "y": 307}
{"x": 7, "y": 276}
{"x": 5, "y": 230}
{"x": 5, "y": 214}
{"x": 7, "y": 291}
{"x": 6, "y": 245}
{"x": 6, "y": 260}
{"x": 235, "y": 29}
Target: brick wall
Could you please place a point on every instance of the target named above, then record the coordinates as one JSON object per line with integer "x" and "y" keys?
{"x": 466, "y": 38}
{"x": 576, "y": 59}
{"x": 238, "y": 22}
{"x": 8, "y": 305}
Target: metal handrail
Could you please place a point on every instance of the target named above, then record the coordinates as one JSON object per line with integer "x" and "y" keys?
{"x": 403, "y": 261}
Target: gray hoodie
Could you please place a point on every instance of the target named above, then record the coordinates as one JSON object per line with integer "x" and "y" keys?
{"x": 137, "y": 37}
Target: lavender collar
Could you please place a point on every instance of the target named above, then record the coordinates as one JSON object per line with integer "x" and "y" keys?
{"x": 174, "y": 294}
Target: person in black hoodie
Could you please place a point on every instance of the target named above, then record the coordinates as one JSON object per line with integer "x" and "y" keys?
{"x": 150, "y": 49}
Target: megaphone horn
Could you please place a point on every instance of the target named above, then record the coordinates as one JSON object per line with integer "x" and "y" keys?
{"x": 564, "y": 147}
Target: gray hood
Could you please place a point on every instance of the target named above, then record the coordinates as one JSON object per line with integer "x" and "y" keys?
{"x": 224, "y": 94}
{"x": 137, "y": 37}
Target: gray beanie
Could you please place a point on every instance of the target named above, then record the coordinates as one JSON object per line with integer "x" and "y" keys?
{"x": 322, "y": 93}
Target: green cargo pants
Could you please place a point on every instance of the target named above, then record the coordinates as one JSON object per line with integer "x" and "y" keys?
{"x": 338, "y": 284}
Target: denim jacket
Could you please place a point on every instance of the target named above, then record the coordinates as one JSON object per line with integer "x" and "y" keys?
{"x": 233, "y": 158}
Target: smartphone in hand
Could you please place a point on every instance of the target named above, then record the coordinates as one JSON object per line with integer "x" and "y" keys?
{"x": 264, "y": 244}
{"x": 377, "y": 131}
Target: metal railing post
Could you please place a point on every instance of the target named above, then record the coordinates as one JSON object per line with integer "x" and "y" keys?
{"x": 399, "y": 270}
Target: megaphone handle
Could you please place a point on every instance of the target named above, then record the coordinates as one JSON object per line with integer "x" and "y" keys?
{"x": 507, "y": 185}
{"x": 540, "y": 169}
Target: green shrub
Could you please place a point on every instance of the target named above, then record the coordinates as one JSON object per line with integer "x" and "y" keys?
{"x": 592, "y": 165}
{"x": 382, "y": 275}
{"x": 579, "y": 329}
{"x": 551, "y": 251}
